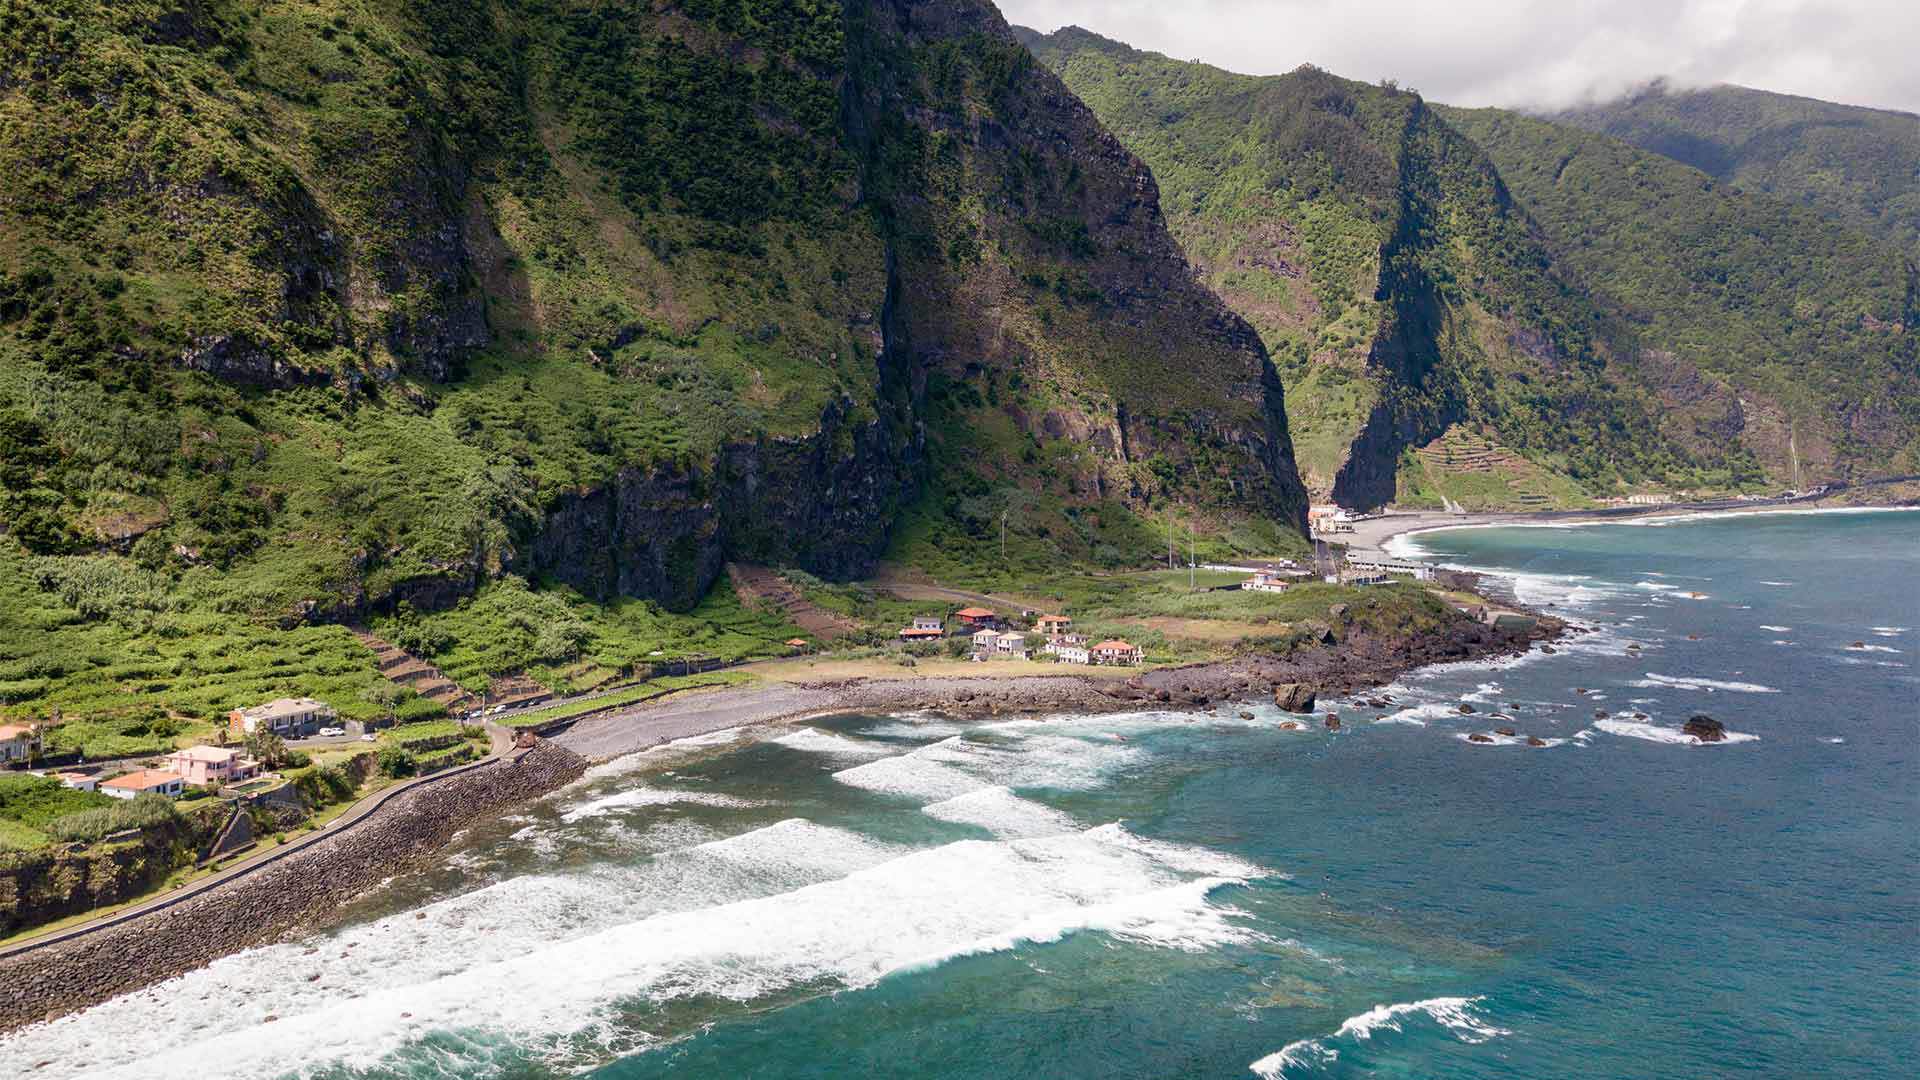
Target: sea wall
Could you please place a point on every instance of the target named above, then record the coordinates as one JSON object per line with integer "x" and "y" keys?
{"x": 278, "y": 900}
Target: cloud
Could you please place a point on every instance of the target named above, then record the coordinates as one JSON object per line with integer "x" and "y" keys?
{"x": 1531, "y": 53}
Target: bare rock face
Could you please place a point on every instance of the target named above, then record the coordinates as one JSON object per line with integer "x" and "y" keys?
{"x": 1705, "y": 728}
{"x": 1333, "y": 721}
{"x": 1294, "y": 697}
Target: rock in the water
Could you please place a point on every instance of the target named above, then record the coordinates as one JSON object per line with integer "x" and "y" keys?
{"x": 1479, "y": 738}
{"x": 1333, "y": 721}
{"x": 1376, "y": 703}
{"x": 1246, "y": 716}
{"x": 1466, "y": 709}
{"x": 1705, "y": 728}
{"x": 1599, "y": 714}
{"x": 1548, "y": 649}
{"x": 1535, "y": 740}
{"x": 1294, "y": 697}
{"x": 1507, "y": 731}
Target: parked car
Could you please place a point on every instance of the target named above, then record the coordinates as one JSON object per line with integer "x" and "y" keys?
{"x": 332, "y": 732}
{"x": 369, "y": 737}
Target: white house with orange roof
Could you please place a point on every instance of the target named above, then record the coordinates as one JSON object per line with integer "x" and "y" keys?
{"x": 145, "y": 782}
{"x": 1115, "y": 651}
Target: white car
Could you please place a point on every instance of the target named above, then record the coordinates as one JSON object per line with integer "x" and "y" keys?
{"x": 369, "y": 737}
{"x": 332, "y": 732}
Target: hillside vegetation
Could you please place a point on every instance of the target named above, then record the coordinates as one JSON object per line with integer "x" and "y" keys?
{"x": 310, "y": 310}
{"x": 1756, "y": 319}
{"x": 1848, "y": 163}
{"x": 1398, "y": 285}
{"x": 1612, "y": 317}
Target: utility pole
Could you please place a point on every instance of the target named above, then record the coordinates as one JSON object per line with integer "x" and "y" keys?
{"x": 1003, "y": 534}
{"x": 1169, "y": 537}
{"x": 1192, "y": 560}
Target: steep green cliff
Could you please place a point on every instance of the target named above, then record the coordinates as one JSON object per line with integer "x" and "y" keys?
{"x": 1400, "y": 288}
{"x": 1418, "y": 270}
{"x": 310, "y": 308}
{"x": 1796, "y": 335}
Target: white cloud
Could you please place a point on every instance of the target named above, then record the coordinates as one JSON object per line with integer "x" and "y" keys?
{"x": 1502, "y": 52}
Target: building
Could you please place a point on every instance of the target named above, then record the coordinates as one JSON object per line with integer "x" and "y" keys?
{"x": 924, "y": 628}
{"x": 978, "y": 618}
{"x": 212, "y": 766}
{"x": 1116, "y": 651}
{"x": 1012, "y": 644}
{"x": 285, "y": 717}
{"x": 18, "y": 742}
{"x": 1375, "y": 565}
{"x": 1352, "y": 576}
{"x": 1649, "y": 500}
{"x": 985, "y": 642}
{"x": 1053, "y": 625}
{"x": 1265, "y": 581}
{"x": 146, "y": 782}
{"x": 78, "y": 781}
{"x": 1070, "y": 648}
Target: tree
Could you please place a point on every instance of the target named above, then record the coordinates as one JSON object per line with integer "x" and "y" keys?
{"x": 268, "y": 749}
{"x": 388, "y": 697}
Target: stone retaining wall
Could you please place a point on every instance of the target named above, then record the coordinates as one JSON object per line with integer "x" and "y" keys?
{"x": 275, "y": 902}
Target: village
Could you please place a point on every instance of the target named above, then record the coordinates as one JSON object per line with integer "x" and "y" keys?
{"x": 227, "y": 790}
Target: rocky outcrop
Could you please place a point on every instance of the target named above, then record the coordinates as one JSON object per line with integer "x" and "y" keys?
{"x": 1294, "y": 697}
{"x": 1705, "y": 728}
{"x": 824, "y": 503}
{"x": 279, "y": 899}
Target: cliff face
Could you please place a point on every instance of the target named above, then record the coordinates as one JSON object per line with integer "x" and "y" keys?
{"x": 371, "y": 305}
{"x": 1466, "y": 302}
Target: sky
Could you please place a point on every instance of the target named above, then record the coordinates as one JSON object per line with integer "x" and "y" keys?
{"x": 1528, "y": 53}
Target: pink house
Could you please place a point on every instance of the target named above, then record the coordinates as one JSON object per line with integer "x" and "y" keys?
{"x": 212, "y": 766}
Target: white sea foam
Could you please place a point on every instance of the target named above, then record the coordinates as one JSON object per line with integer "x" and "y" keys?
{"x": 1655, "y": 585}
{"x": 1457, "y": 1015}
{"x": 914, "y": 775}
{"x": 1784, "y": 641}
{"x": 632, "y": 798}
{"x": 912, "y": 911}
{"x": 1889, "y": 631}
{"x": 1001, "y": 812}
{"x": 1636, "y": 729}
{"x": 1836, "y": 740}
{"x": 1494, "y": 738}
{"x": 1873, "y": 648}
{"x": 815, "y": 741}
{"x": 1418, "y": 715}
{"x": 1775, "y": 629}
{"x": 1779, "y": 584}
{"x": 1031, "y": 758}
{"x": 1695, "y": 682}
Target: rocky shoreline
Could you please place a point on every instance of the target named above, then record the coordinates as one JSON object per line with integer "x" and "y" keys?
{"x": 1335, "y": 668}
{"x": 291, "y": 897}
{"x": 282, "y": 900}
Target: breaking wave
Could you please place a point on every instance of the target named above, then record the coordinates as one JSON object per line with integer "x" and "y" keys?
{"x": 1457, "y": 1015}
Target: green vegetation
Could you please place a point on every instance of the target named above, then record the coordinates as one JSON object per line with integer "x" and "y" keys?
{"x": 1389, "y": 273}
{"x": 652, "y": 688}
{"x": 1809, "y": 322}
{"x": 31, "y": 806}
{"x": 1848, "y": 163}
{"x": 550, "y": 633}
{"x": 119, "y": 815}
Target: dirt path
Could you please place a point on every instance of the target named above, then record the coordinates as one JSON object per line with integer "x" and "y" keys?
{"x": 759, "y": 588}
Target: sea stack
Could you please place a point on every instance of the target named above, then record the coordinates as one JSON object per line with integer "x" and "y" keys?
{"x": 1705, "y": 728}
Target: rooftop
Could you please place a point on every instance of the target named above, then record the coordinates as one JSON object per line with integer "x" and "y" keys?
{"x": 283, "y": 707}
{"x": 15, "y": 731}
{"x": 974, "y": 613}
{"x": 144, "y": 779}
{"x": 208, "y": 753}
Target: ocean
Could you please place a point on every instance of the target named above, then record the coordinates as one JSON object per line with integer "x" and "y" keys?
{"x": 1162, "y": 895}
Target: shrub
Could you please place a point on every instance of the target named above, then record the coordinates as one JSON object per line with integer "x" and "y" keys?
{"x": 88, "y": 826}
{"x": 395, "y": 762}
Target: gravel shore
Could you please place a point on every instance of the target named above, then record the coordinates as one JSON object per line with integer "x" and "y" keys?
{"x": 1356, "y": 662}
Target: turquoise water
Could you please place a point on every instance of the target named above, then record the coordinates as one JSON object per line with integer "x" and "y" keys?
{"x": 1159, "y": 895}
